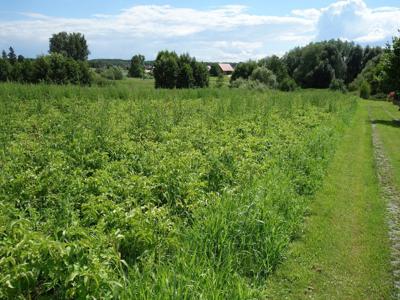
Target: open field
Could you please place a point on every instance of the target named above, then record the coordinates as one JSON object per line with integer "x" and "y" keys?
{"x": 145, "y": 194}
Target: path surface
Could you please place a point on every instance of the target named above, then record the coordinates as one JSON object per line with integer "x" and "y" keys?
{"x": 345, "y": 252}
{"x": 381, "y": 114}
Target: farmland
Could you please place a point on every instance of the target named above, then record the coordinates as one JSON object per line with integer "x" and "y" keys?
{"x": 126, "y": 191}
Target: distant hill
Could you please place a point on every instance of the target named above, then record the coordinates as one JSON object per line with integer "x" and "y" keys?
{"x": 105, "y": 62}
{"x": 124, "y": 63}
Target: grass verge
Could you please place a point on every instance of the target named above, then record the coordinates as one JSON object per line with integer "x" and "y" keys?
{"x": 344, "y": 253}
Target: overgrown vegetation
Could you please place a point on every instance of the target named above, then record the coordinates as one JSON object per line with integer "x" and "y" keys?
{"x": 168, "y": 194}
{"x": 111, "y": 73}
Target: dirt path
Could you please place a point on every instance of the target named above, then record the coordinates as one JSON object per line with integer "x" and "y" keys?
{"x": 392, "y": 196}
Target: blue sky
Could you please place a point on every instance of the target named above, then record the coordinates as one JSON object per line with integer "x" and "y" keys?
{"x": 220, "y": 30}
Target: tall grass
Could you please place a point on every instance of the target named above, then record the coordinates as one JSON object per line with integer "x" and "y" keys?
{"x": 141, "y": 193}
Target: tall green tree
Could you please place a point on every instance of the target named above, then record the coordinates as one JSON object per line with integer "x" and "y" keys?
{"x": 354, "y": 63}
{"x": 215, "y": 70}
{"x": 166, "y": 70}
{"x": 200, "y": 74}
{"x": 331, "y": 53}
{"x": 392, "y": 65}
{"x": 292, "y": 60}
{"x": 72, "y": 45}
{"x": 185, "y": 77}
{"x": 12, "y": 57}
{"x": 136, "y": 68}
{"x": 369, "y": 54}
{"x": 5, "y": 70}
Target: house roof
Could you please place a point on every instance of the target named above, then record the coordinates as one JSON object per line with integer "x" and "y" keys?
{"x": 226, "y": 67}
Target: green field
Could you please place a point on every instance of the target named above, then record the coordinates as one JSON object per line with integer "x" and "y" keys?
{"x": 129, "y": 192}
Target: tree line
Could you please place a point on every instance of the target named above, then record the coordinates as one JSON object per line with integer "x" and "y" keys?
{"x": 325, "y": 64}
{"x": 65, "y": 64}
{"x": 331, "y": 64}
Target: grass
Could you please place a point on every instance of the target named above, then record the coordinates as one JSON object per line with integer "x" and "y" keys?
{"x": 387, "y": 115}
{"x": 344, "y": 253}
{"x": 130, "y": 192}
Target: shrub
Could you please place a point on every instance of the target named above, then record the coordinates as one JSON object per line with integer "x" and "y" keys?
{"x": 244, "y": 70}
{"x": 220, "y": 81}
{"x": 99, "y": 80}
{"x": 238, "y": 83}
{"x": 112, "y": 73}
{"x": 338, "y": 85}
{"x": 288, "y": 85}
{"x": 365, "y": 90}
{"x": 380, "y": 96}
{"x": 265, "y": 76}
{"x": 248, "y": 84}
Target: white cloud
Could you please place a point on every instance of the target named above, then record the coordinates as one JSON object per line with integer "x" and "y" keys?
{"x": 353, "y": 20}
{"x": 223, "y": 33}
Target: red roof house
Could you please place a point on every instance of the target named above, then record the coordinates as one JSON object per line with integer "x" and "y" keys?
{"x": 226, "y": 69}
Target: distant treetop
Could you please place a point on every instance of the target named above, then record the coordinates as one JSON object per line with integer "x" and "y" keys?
{"x": 71, "y": 45}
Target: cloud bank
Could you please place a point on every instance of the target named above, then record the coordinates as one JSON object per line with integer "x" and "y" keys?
{"x": 226, "y": 33}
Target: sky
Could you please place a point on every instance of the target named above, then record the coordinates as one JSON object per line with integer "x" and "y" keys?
{"x": 220, "y": 30}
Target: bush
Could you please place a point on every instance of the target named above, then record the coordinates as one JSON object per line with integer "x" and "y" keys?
{"x": 338, "y": 85}
{"x": 239, "y": 83}
{"x": 99, "y": 80}
{"x": 220, "y": 81}
{"x": 265, "y": 76}
{"x": 288, "y": 85}
{"x": 365, "y": 90}
{"x": 244, "y": 70}
{"x": 112, "y": 73}
{"x": 248, "y": 84}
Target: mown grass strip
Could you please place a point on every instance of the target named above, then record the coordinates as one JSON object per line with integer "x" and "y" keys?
{"x": 344, "y": 253}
